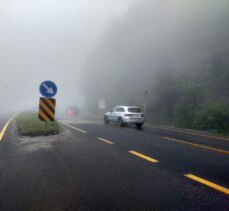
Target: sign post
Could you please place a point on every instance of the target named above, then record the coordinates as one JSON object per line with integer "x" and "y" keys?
{"x": 145, "y": 96}
{"x": 47, "y": 104}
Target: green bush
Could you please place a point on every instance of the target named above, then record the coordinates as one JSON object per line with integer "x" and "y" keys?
{"x": 184, "y": 109}
{"x": 183, "y": 115}
{"x": 213, "y": 117}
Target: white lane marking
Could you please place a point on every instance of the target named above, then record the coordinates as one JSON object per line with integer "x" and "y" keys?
{"x": 105, "y": 140}
{"x": 75, "y": 128}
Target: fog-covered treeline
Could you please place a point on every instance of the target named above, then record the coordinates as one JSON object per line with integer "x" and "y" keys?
{"x": 176, "y": 50}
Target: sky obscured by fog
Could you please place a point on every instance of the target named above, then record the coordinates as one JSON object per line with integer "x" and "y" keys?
{"x": 175, "y": 38}
{"x": 49, "y": 40}
{"x": 100, "y": 48}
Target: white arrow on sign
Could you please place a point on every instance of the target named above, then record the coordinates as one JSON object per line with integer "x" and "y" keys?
{"x": 49, "y": 90}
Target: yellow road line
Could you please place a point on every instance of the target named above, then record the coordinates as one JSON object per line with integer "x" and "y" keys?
{"x": 5, "y": 127}
{"x": 197, "y": 145}
{"x": 144, "y": 156}
{"x": 208, "y": 183}
{"x": 105, "y": 140}
{"x": 189, "y": 133}
{"x": 75, "y": 128}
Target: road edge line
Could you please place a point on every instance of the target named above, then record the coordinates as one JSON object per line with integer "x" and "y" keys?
{"x": 75, "y": 128}
{"x": 187, "y": 132}
{"x": 198, "y": 145}
{"x": 3, "y": 131}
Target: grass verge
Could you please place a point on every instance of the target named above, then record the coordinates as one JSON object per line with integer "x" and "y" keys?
{"x": 28, "y": 124}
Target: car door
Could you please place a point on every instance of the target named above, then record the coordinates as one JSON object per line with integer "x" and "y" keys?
{"x": 116, "y": 114}
{"x": 112, "y": 114}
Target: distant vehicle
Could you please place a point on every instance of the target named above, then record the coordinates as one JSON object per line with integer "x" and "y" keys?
{"x": 123, "y": 115}
{"x": 73, "y": 111}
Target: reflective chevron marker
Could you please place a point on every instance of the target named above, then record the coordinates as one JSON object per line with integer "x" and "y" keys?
{"x": 47, "y": 109}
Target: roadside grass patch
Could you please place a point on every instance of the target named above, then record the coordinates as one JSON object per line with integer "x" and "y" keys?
{"x": 28, "y": 124}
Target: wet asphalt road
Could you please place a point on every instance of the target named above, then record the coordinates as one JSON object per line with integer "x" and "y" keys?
{"x": 77, "y": 171}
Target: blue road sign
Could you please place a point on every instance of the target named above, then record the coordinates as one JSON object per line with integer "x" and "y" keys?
{"x": 48, "y": 89}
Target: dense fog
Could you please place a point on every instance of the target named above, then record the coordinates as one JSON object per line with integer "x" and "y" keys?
{"x": 155, "y": 40}
{"x": 112, "y": 50}
{"x": 49, "y": 40}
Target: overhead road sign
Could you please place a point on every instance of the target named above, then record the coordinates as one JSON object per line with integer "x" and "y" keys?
{"x": 47, "y": 109}
{"x": 48, "y": 89}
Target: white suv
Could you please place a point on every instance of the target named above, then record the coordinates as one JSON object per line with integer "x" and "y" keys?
{"x": 125, "y": 115}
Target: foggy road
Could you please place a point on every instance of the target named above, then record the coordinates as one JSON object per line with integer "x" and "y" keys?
{"x": 70, "y": 68}
{"x": 90, "y": 166}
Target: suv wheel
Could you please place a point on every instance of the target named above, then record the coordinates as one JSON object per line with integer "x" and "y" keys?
{"x": 120, "y": 122}
{"x": 106, "y": 121}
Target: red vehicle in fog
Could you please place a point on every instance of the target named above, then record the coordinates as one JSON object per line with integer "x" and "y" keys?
{"x": 73, "y": 111}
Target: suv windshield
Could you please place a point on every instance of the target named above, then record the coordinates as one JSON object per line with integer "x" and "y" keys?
{"x": 134, "y": 110}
